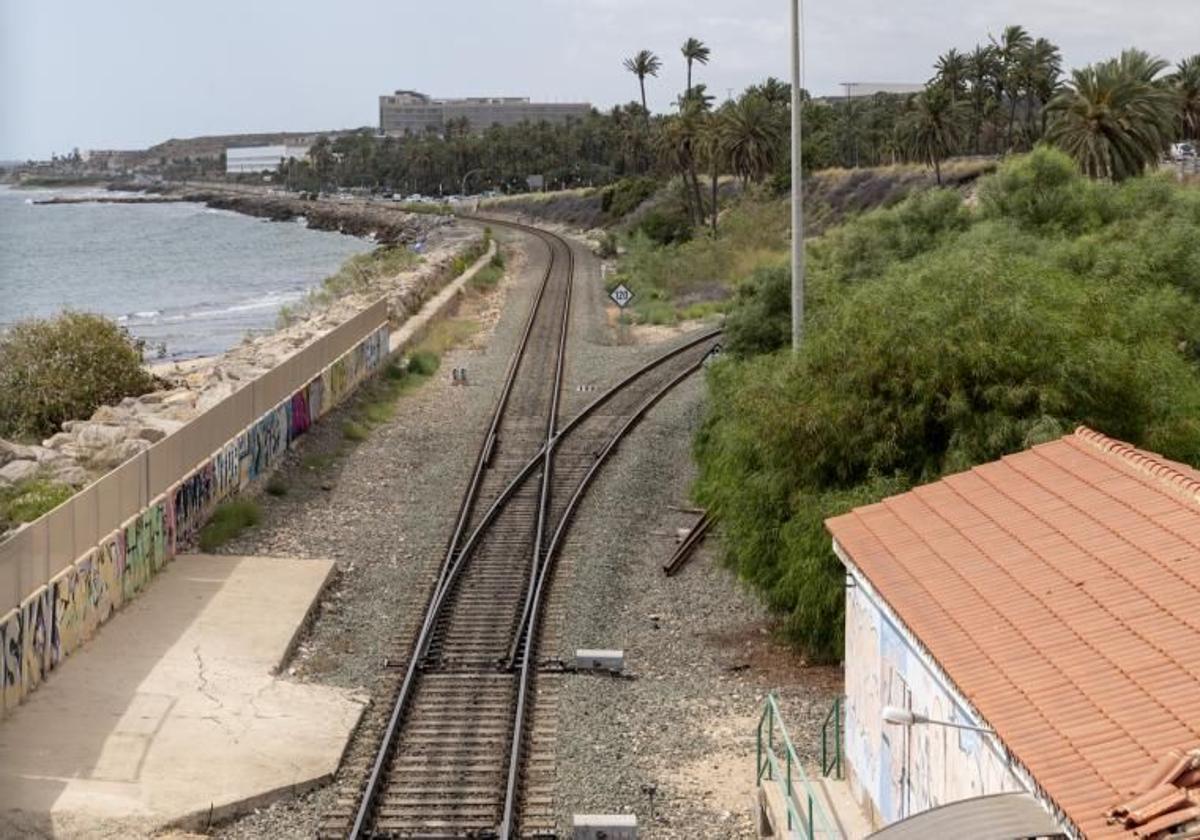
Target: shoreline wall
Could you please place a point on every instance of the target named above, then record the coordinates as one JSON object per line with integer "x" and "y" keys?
{"x": 65, "y": 574}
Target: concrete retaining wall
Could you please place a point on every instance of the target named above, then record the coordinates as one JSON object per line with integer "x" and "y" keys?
{"x": 64, "y": 575}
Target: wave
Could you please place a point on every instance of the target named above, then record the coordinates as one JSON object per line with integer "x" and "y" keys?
{"x": 270, "y": 300}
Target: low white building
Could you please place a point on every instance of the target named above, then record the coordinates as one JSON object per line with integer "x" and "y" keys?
{"x": 1023, "y": 647}
{"x": 242, "y": 159}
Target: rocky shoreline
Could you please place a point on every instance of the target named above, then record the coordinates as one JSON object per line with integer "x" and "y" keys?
{"x": 87, "y": 448}
{"x": 385, "y": 225}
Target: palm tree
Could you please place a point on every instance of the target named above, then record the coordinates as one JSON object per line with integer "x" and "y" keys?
{"x": 1041, "y": 69}
{"x": 698, "y": 95}
{"x": 753, "y": 137}
{"x": 1186, "y": 83}
{"x": 983, "y": 71}
{"x": 933, "y": 127}
{"x": 1013, "y": 43}
{"x": 776, "y": 92}
{"x": 712, "y": 148}
{"x": 1114, "y": 118}
{"x": 694, "y": 49}
{"x": 951, "y": 72}
{"x": 643, "y": 64}
{"x": 677, "y": 145}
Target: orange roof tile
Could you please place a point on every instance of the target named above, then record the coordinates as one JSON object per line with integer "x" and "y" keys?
{"x": 1070, "y": 570}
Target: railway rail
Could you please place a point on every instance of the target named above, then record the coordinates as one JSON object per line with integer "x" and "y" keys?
{"x": 453, "y": 760}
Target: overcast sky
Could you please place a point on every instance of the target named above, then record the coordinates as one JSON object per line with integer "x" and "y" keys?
{"x": 130, "y": 73}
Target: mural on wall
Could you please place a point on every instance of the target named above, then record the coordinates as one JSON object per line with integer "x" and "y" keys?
{"x": 53, "y": 621}
{"x": 901, "y": 771}
{"x": 12, "y": 648}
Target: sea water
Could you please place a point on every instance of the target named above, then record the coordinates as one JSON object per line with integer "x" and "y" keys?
{"x": 189, "y": 280}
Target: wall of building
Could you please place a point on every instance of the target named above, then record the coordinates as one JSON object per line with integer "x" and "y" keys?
{"x": 405, "y": 113}
{"x": 897, "y": 771}
{"x": 54, "y": 619}
{"x": 260, "y": 158}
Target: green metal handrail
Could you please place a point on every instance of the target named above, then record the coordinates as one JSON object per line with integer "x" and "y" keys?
{"x": 832, "y": 760}
{"x": 804, "y": 812}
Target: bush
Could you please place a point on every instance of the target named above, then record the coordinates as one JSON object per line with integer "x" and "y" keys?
{"x": 423, "y": 363}
{"x": 625, "y": 196}
{"x": 937, "y": 340}
{"x": 227, "y": 521}
{"x": 761, "y": 318}
{"x": 64, "y": 368}
{"x": 666, "y": 227}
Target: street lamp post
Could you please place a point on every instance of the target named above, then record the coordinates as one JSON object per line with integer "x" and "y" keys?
{"x": 907, "y": 717}
{"x": 797, "y": 189}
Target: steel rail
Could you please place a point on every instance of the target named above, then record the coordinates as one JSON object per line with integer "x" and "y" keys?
{"x": 530, "y": 630}
{"x": 374, "y": 781}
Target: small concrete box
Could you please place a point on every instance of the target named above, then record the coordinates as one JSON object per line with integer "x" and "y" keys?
{"x": 600, "y": 660}
{"x": 604, "y": 827}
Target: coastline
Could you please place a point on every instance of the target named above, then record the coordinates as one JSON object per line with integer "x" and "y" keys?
{"x": 87, "y": 448}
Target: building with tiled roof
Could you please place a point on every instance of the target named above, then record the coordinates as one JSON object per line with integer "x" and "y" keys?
{"x": 1052, "y": 600}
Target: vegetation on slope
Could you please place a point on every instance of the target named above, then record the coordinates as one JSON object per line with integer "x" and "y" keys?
{"x": 64, "y": 368}
{"x": 939, "y": 337}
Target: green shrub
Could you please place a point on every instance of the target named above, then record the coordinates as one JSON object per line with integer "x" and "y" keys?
{"x": 666, "y": 227}
{"x": 625, "y": 196}
{"x": 423, "y": 363}
{"x": 64, "y": 368}
{"x": 760, "y": 320}
{"x": 25, "y": 501}
{"x": 227, "y": 521}
{"x": 355, "y": 431}
{"x": 935, "y": 340}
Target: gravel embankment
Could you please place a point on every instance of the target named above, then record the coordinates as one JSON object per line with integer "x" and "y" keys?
{"x": 383, "y": 509}
{"x": 698, "y": 654}
{"x": 695, "y": 644}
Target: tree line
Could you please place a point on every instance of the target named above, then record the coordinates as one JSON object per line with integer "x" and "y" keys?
{"x": 1115, "y": 118}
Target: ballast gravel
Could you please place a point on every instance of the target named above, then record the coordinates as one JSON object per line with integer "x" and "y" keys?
{"x": 673, "y": 740}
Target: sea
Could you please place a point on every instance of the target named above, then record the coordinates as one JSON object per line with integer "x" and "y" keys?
{"x": 189, "y": 280}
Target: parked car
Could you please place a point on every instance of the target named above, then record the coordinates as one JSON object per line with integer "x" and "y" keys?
{"x": 1183, "y": 151}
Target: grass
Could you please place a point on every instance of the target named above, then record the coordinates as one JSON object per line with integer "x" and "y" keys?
{"x": 227, "y": 521}
{"x": 353, "y": 430}
{"x": 29, "y": 499}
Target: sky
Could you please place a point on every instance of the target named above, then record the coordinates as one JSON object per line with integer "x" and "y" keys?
{"x": 127, "y": 74}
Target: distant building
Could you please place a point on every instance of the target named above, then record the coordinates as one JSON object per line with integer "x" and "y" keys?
{"x": 410, "y": 112}
{"x": 242, "y": 159}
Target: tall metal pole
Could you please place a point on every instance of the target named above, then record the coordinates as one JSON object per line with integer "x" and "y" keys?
{"x": 797, "y": 189}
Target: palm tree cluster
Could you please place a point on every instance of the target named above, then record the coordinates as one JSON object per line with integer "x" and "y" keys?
{"x": 1116, "y": 118}
{"x": 1008, "y": 94}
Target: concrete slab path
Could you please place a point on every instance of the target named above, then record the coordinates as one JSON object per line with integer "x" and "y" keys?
{"x": 172, "y": 713}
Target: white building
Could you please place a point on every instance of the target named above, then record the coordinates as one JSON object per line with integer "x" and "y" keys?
{"x": 1047, "y": 603}
{"x": 243, "y": 159}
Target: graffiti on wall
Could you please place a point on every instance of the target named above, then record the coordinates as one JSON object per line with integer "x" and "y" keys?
{"x": 12, "y": 649}
{"x": 192, "y": 499}
{"x": 56, "y": 619}
{"x": 899, "y": 771}
{"x": 35, "y": 654}
{"x": 70, "y": 605}
{"x": 146, "y": 545}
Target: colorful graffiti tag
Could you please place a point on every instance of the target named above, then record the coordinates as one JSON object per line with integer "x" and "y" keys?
{"x": 56, "y": 619}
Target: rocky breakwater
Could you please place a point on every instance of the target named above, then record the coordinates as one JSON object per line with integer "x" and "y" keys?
{"x": 85, "y": 449}
{"x": 356, "y": 218}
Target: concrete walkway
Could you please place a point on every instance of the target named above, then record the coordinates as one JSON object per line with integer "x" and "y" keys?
{"x": 172, "y": 713}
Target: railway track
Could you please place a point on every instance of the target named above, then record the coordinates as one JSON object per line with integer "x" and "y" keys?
{"x": 459, "y": 756}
